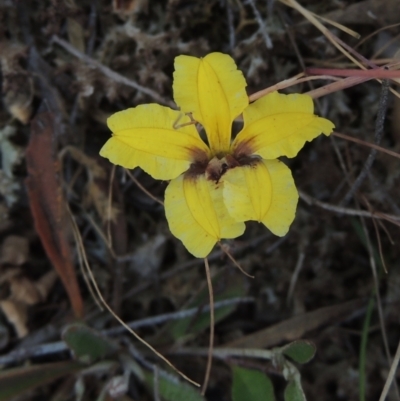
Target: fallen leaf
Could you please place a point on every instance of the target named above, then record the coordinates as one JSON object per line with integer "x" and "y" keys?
{"x": 295, "y": 327}
{"x": 17, "y": 85}
{"x": 14, "y": 250}
{"x": 17, "y": 381}
{"x": 31, "y": 292}
{"x": 128, "y": 7}
{"x": 16, "y": 313}
{"x": 23, "y": 292}
{"x": 47, "y": 203}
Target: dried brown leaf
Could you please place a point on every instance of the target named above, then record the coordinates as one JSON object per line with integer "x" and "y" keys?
{"x": 128, "y": 7}
{"x": 16, "y": 314}
{"x": 17, "y": 85}
{"x": 24, "y": 291}
{"x": 9, "y": 274}
{"x": 14, "y": 250}
{"x": 47, "y": 203}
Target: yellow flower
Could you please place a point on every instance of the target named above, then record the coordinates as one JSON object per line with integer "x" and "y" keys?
{"x": 216, "y": 187}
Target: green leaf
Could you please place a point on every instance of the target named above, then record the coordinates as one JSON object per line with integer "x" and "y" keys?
{"x": 300, "y": 351}
{"x": 171, "y": 388}
{"x": 294, "y": 392}
{"x": 251, "y": 385}
{"x": 87, "y": 344}
{"x": 14, "y": 382}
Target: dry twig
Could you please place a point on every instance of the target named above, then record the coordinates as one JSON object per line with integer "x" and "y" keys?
{"x": 108, "y": 72}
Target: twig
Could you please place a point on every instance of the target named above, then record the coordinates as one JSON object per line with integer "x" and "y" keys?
{"x": 100, "y": 296}
{"x": 224, "y": 353}
{"x": 61, "y": 346}
{"x": 110, "y": 73}
{"x": 379, "y": 126}
{"x": 216, "y": 255}
{"x": 391, "y": 374}
{"x": 296, "y": 80}
{"x": 296, "y": 49}
{"x": 92, "y": 28}
{"x": 233, "y": 260}
{"x": 341, "y": 160}
{"x": 229, "y": 15}
{"x": 364, "y": 143}
{"x": 149, "y": 194}
{"x": 342, "y": 72}
{"x": 378, "y": 295}
{"x": 295, "y": 275}
{"x": 151, "y": 321}
{"x": 337, "y": 86}
{"x": 261, "y": 24}
{"x": 148, "y": 365}
{"x": 212, "y": 324}
{"x": 378, "y": 238}
{"x": 83, "y": 271}
{"x": 347, "y": 211}
{"x": 325, "y": 31}
{"x": 30, "y": 352}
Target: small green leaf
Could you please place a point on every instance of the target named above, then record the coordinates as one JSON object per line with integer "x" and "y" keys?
{"x": 15, "y": 382}
{"x": 171, "y": 388}
{"x": 300, "y": 351}
{"x": 294, "y": 392}
{"x": 251, "y": 385}
{"x": 87, "y": 344}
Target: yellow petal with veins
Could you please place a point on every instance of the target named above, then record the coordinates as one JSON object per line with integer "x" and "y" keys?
{"x": 145, "y": 136}
{"x": 213, "y": 90}
{"x": 264, "y": 192}
{"x": 279, "y": 125}
{"x": 197, "y": 215}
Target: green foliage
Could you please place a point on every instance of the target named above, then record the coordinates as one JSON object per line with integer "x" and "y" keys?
{"x": 171, "y": 388}
{"x": 87, "y": 344}
{"x": 15, "y": 382}
{"x": 300, "y": 351}
{"x": 251, "y": 385}
{"x": 294, "y": 392}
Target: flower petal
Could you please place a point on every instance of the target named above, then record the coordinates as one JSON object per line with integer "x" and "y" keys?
{"x": 264, "y": 192}
{"x": 213, "y": 89}
{"x": 197, "y": 215}
{"x": 145, "y": 136}
{"x": 279, "y": 125}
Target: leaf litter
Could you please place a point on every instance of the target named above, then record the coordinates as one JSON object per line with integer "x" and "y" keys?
{"x": 66, "y": 66}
